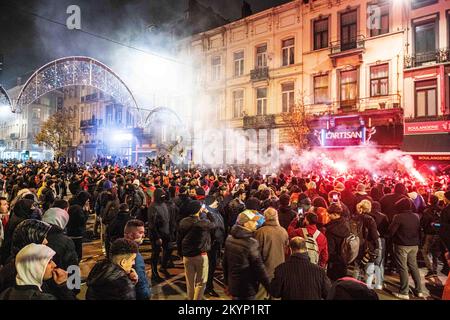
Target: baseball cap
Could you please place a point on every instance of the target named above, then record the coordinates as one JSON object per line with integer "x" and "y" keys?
{"x": 246, "y": 216}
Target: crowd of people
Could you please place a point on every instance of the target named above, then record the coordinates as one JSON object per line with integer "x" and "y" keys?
{"x": 281, "y": 236}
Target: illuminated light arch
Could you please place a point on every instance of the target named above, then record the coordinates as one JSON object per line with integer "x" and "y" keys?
{"x": 161, "y": 111}
{"x": 75, "y": 71}
{"x": 4, "y": 98}
{"x": 184, "y": 133}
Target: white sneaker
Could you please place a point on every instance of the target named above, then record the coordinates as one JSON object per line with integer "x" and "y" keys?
{"x": 420, "y": 295}
{"x": 379, "y": 287}
{"x": 401, "y": 296}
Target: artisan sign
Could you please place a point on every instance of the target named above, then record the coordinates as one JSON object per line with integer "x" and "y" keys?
{"x": 345, "y": 136}
{"x": 428, "y": 127}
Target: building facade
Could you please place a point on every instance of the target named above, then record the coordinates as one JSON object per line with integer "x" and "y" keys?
{"x": 426, "y": 83}
{"x": 17, "y": 130}
{"x": 344, "y": 61}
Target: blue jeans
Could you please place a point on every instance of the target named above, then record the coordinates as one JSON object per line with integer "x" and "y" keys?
{"x": 376, "y": 269}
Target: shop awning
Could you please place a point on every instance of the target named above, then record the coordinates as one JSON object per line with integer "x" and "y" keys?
{"x": 426, "y": 143}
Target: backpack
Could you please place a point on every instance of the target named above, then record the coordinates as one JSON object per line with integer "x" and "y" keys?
{"x": 350, "y": 246}
{"x": 311, "y": 245}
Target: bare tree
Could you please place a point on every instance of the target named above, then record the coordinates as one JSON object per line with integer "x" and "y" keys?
{"x": 54, "y": 133}
{"x": 297, "y": 122}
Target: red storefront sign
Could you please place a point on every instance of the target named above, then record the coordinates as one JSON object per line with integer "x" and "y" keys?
{"x": 427, "y": 127}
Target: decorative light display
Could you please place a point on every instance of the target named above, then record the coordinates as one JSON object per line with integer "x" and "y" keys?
{"x": 4, "y": 98}
{"x": 71, "y": 71}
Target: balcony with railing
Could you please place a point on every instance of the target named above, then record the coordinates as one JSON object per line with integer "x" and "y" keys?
{"x": 377, "y": 104}
{"x": 353, "y": 45}
{"x": 442, "y": 117}
{"x": 427, "y": 58}
{"x": 259, "y": 74}
{"x": 91, "y": 123}
{"x": 259, "y": 121}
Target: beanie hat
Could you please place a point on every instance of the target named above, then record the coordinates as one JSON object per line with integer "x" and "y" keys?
{"x": 193, "y": 207}
{"x": 271, "y": 214}
{"x": 246, "y": 216}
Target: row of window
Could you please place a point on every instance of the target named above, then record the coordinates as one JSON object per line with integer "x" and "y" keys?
{"x": 425, "y": 39}
{"x": 287, "y": 52}
{"x": 320, "y": 40}
{"x": 379, "y": 86}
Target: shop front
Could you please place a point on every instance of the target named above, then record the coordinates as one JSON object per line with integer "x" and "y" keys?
{"x": 428, "y": 142}
{"x": 383, "y": 131}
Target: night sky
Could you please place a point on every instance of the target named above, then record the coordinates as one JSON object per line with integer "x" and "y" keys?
{"x": 27, "y": 42}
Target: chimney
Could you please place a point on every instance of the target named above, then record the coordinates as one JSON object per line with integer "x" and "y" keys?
{"x": 19, "y": 81}
{"x": 246, "y": 9}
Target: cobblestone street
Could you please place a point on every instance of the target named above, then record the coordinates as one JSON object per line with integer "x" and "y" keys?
{"x": 174, "y": 288}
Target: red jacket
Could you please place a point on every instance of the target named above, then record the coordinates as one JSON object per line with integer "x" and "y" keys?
{"x": 321, "y": 239}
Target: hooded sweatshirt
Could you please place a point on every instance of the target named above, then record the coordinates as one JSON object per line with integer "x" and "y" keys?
{"x": 57, "y": 217}
{"x": 31, "y": 263}
{"x": 64, "y": 246}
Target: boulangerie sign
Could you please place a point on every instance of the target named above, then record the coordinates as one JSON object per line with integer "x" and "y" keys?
{"x": 427, "y": 127}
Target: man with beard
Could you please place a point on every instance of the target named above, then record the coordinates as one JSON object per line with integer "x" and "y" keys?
{"x": 134, "y": 231}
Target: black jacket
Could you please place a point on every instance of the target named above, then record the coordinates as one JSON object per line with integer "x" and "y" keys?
{"x": 218, "y": 233}
{"x": 243, "y": 267}
{"x": 388, "y": 204}
{"x": 369, "y": 237}
{"x": 430, "y": 215}
{"x": 25, "y": 293}
{"x": 115, "y": 228}
{"x": 194, "y": 236}
{"x": 107, "y": 281}
{"x": 182, "y": 201}
{"x": 286, "y": 215}
{"x": 382, "y": 222}
{"x": 158, "y": 218}
{"x": 405, "y": 229}
{"x": 350, "y": 200}
{"x": 336, "y": 231}
{"x": 233, "y": 209}
{"x": 299, "y": 279}
{"x": 173, "y": 215}
{"x": 76, "y": 226}
{"x": 444, "y": 230}
{"x": 63, "y": 246}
